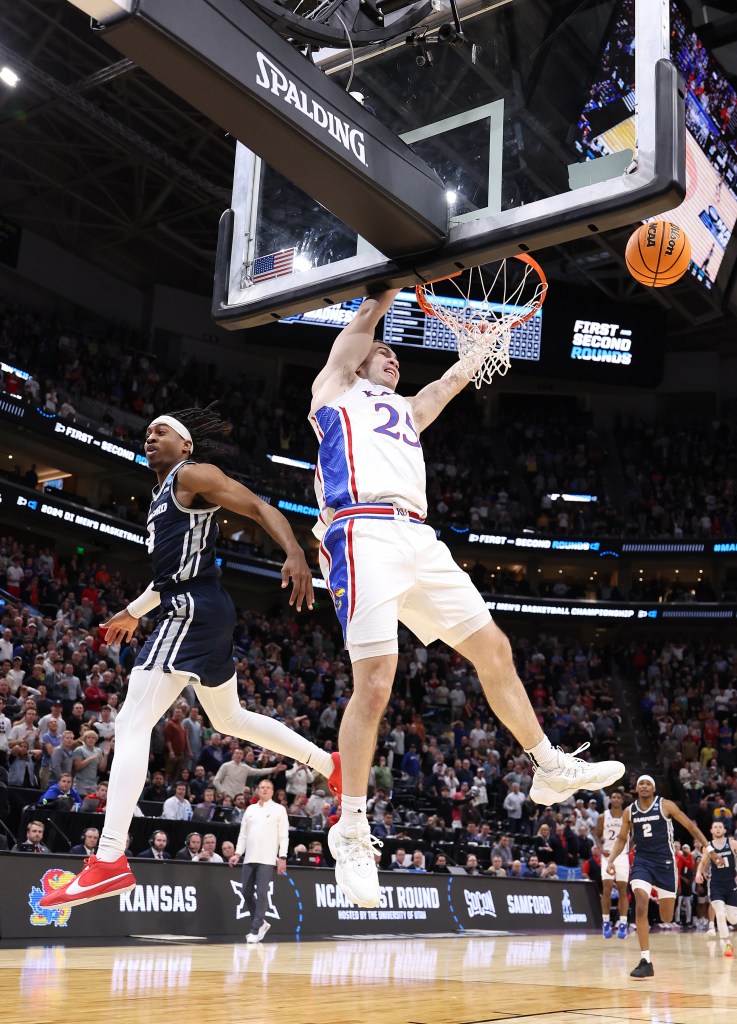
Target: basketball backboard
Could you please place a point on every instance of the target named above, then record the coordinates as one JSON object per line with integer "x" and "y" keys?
{"x": 552, "y": 120}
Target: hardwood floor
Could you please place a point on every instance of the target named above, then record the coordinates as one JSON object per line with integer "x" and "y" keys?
{"x": 570, "y": 979}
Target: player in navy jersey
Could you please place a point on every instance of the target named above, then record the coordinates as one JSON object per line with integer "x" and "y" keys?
{"x": 649, "y": 823}
{"x": 719, "y": 864}
{"x": 193, "y": 639}
{"x": 383, "y": 564}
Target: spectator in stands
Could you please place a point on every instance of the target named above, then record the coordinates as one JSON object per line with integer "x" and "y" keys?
{"x": 384, "y": 828}
{"x": 178, "y": 807}
{"x": 400, "y": 860}
{"x": 513, "y": 803}
{"x": 22, "y": 766}
{"x": 95, "y": 803}
{"x": 550, "y": 872}
{"x": 62, "y": 795}
{"x": 156, "y": 849}
{"x": 212, "y": 755}
{"x": 496, "y": 870}
{"x": 33, "y": 843}
{"x": 192, "y": 846}
{"x": 533, "y": 868}
{"x": 515, "y": 869}
{"x": 208, "y": 854}
{"x": 207, "y": 808}
{"x": 503, "y": 849}
{"x": 472, "y": 865}
{"x": 88, "y": 846}
{"x": 88, "y": 761}
{"x": 156, "y": 789}
{"x": 418, "y": 862}
{"x": 176, "y": 740}
{"x": 192, "y": 724}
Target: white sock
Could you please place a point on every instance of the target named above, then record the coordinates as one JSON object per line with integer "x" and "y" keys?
{"x": 543, "y": 754}
{"x": 645, "y": 954}
{"x": 353, "y": 811}
{"x": 623, "y": 920}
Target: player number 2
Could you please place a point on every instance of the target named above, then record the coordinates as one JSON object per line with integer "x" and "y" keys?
{"x": 386, "y": 428}
{"x": 647, "y": 830}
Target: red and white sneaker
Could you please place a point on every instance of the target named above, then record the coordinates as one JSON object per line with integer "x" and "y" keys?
{"x": 335, "y": 782}
{"x": 98, "y": 879}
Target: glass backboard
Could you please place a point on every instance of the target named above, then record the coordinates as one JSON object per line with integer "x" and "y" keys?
{"x": 550, "y": 121}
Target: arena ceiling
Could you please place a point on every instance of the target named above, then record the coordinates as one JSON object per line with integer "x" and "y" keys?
{"x": 100, "y": 158}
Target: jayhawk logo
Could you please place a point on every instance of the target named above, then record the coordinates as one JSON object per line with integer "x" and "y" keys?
{"x": 54, "y": 879}
{"x": 337, "y": 594}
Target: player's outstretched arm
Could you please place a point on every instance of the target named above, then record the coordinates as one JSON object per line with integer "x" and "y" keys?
{"x": 672, "y": 810}
{"x": 353, "y": 344}
{"x": 215, "y": 488}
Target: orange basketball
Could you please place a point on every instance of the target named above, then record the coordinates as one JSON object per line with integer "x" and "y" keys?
{"x": 658, "y": 253}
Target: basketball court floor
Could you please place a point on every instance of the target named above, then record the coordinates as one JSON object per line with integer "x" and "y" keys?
{"x": 555, "y": 979}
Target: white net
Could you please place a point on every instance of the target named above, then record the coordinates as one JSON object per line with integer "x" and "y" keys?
{"x": 496, "y": 298}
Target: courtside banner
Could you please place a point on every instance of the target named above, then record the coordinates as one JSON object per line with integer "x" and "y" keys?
{"x": 179, "y": 898}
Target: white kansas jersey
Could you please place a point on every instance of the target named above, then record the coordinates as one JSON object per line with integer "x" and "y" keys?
{"x": 369, "y": 453}
{"x": 612, "y": 828}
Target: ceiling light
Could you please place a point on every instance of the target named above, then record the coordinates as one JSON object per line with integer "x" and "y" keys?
{"x": 9, "y": 77}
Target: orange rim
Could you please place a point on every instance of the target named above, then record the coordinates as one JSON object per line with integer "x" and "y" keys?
{"x": 426, "y": 305}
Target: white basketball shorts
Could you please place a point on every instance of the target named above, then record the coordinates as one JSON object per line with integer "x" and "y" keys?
{"x": 381, "y": 570}
{"x": 621, "y": 869}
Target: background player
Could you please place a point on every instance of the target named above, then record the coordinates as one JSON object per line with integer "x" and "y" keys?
{"x": 382, "y": 564}
{"x": 649, "y": 820}
{"x": 193, "y": 639}
{"x": 719, "y": 863}
{"x": 608, "y": 828}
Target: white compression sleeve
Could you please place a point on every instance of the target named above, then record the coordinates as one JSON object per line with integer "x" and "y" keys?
{"x": 145, "y": 602}
{"x": 228, "y": 717}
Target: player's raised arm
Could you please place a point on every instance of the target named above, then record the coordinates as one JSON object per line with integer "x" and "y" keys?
{"x": 353, "y": 344}
{"x": 672, "y": 810}
{"x": 216, "y": 488}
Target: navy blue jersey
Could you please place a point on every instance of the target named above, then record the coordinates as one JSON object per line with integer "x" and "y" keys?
{"x": 722, "y": 880}
{"x": 181, "y": 540}
{"x": 653, "y": 833}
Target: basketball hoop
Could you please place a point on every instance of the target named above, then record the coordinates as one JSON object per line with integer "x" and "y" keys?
{"x": 496, "y": 298}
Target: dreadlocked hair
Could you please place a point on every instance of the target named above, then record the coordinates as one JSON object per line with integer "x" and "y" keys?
{"x": 203, "y": 425}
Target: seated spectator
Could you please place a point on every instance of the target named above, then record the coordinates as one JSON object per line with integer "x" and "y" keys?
{"x": 417, "y": 863}
{"x": 400, "y": 860}
{"x": 384, "y": 829}
{"x": 33, "y": 843}
{"x": 156, "y": 789}
{"x": 61, "y": 795}
{"x": 496, "y": 870}
{"x": 472, "y": 865}
{"x": 192, "y": 846}
{"x": 533, "y": 868}
{"x": 550, "y": 872}
{"x": 178, "y": 807}
{"x": 206, "y": 810}
{"x": 96, "y": 802}
{"x": 208, "y": 853}
{"x": 515, "y": 869}
{"x": 156, "y": 849}
{"x": 88, "y": 846}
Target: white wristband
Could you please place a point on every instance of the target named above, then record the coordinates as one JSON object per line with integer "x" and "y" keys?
{"x": 145, "y": 602}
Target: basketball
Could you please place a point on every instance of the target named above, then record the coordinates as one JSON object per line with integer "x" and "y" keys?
{"x": 658, "y": 253}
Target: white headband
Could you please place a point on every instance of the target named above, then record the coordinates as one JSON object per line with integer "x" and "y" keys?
{"x": 645, "y": 778}
{"x": 176, "y": 425}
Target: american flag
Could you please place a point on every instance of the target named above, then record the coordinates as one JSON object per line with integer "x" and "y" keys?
{"x": 276, "y": 264}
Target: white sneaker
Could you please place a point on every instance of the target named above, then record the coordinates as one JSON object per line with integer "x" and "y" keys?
{"x": 551, "y": 785}
{"x": 263, "y": 930}
{"x": 355, "y": 868}
{"x": 711, "y": 933}
{"x": 252, "y": 937}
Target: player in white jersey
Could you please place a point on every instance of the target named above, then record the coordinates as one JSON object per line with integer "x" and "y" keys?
{"x": 606, "y": 834}
{"x": 382, "y": 564}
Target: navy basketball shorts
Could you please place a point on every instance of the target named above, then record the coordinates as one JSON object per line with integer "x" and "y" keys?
{"x": 194, "y": 634}
{"x": 661, "y": 876}
{"x": 726, "y": 895}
